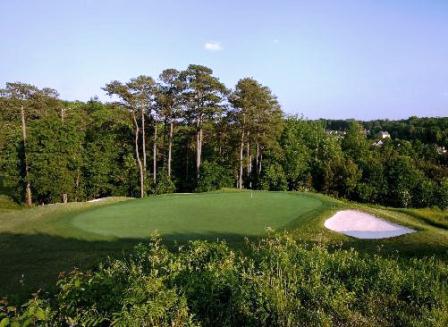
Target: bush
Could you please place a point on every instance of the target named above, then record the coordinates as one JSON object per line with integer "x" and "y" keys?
{"x": 275, "y": 282}
{"x": 213, "y": 176}
{"x": 365, "y": 192}
{"x": 274, "y": 178}
{"x": 164, "y": 185}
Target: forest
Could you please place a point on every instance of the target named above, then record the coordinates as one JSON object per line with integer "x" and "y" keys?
{"x": 186, "y": 131}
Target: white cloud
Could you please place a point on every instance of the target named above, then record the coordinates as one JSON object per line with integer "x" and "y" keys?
{"x": 213, "y": 46}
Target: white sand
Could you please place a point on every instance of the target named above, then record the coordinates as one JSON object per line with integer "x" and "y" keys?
{"x": 99, "y": 199}
{"x": 362, "y": 225}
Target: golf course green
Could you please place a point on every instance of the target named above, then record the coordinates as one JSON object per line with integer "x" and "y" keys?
{"x": 192, "y": 216}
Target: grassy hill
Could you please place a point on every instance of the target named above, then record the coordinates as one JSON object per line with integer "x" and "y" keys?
{"x": 38, "y": 243}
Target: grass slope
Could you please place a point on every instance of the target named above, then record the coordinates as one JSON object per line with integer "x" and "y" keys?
{"x": 36, "y": 244}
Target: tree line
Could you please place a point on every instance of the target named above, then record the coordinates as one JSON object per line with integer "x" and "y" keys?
{"x": 186, "y": 131}
{"x": 429, "y": 130}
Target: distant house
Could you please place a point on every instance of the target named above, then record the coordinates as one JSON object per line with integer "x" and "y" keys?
{"x": 336, "y": 133}
{"x": 383, "y": 135}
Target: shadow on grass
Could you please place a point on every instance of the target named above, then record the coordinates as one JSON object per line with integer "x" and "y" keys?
{"x": 32, "y": 262}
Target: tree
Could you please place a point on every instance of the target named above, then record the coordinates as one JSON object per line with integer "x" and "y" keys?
{"x": 354, "y": 144}
{"x": 169, "y": 101}
{"x": 204, "y": 95}
{"x": 109, "y": 165}
{"x": 274, "y": 178}
{"x": 373, "y": 187}
{"x": 142, "y": 89}
{"x": 296, "y": 156}
{"x": 258, "y": 116}
{"x": 29, "y": 101}
{"x": 135, "y": 96}
{"x": 54, "y": 158}
{"x": 213, "y": 176}
{"x": 402, "y": 176}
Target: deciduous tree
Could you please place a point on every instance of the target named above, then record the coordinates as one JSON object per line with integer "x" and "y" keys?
{"x": 29, "y": 102}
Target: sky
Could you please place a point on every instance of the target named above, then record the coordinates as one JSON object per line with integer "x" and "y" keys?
{"x": 332, "y": 59}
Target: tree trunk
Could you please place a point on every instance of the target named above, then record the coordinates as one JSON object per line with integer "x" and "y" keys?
{"x": 154, "y": 152}
{"x": 249, "y": 164}
{"x": 259, "y": 163}
{"x": 28, "y": 195}
{"x": 198, "y": 150}
{"x": 170, "y": 145}
{"x": 137, "y": 156}
{"x": 187, "y": 159}
{"x": 77, "y": 184}
{"x": 240, "y": 177}
{"x": 220, "y": 142}
{"x": 257, "y": 158}
{"x": 64, "y": 195}
{"x": 249, "y": 157}
{"x": 143, "y": 139}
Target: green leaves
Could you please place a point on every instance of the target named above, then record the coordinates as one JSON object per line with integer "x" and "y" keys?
{"x": 277, "y": 282}
{"x": 86, "y": 150}
{"x": 34, "y": 312}
{"x": 203, "y": 94}
{"x": 4, "y": 322}
{"x": 213, "y": 176}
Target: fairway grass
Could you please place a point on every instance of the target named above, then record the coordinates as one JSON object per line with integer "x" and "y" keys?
{"x": 198, "y": 216}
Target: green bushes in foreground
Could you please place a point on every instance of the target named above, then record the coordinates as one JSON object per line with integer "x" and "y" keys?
{"x": 277, "y": 282}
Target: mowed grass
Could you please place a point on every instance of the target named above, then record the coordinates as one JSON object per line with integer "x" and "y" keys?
{"x": 199, "y": 216}
{"x": 37, "y": 244}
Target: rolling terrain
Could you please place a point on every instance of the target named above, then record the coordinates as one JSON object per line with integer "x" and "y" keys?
{"x": 37, "y": 244}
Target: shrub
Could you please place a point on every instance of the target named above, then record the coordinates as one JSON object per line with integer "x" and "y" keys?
{"x": 164, "y": 185}
{"x": 213, "y": 176}
{"x": 275, "y": 282}
{"x": 274, "y": 178}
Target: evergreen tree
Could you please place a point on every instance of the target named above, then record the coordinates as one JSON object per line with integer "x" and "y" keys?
{"x": 204, "y": 97}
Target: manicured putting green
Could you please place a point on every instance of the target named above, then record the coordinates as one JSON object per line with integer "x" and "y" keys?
{"x": 207, "y": 215}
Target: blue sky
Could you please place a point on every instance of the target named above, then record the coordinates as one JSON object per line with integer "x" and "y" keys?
{"x": 334, "y": 59}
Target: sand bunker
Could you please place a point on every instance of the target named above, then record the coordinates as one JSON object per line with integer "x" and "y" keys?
{"x": 362, "y": 225}
{"x": 99, "y": 199}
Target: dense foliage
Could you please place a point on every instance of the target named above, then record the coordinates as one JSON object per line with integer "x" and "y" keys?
{"x": 396, "y": 172}
{"x": 277, "y": 282}
{"x": 425, "y": 130}
{"x": 187, "y": 132}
